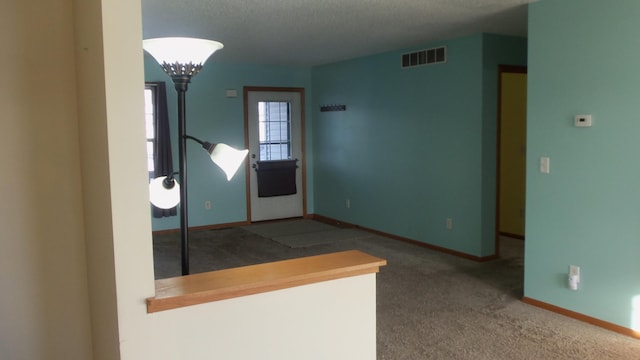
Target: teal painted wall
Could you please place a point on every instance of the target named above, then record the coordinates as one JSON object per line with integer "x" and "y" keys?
{"x": 584, "y": 57}
{"x": 214, "y": 117}
{"x": 410, "y": 151}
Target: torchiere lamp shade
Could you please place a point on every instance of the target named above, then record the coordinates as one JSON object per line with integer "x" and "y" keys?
{"x": 181, "y": 53}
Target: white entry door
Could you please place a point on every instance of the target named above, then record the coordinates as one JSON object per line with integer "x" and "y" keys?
{"x": 275, "y": 132}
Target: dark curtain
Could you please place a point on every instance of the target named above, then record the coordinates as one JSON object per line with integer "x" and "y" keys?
{"x": 163, "y": 161}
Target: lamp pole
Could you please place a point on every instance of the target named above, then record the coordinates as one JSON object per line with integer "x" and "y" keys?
{"x": 181, "y": 84}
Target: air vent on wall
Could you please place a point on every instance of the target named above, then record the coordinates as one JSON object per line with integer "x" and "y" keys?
{"x": 424, "y": 57}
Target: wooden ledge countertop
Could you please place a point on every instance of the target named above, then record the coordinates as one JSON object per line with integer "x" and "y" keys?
{"x": 176, "y": 292}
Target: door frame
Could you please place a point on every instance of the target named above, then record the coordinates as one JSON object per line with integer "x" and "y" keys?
{"x": 502, "y": 69}
{"x": 303, "y": 161}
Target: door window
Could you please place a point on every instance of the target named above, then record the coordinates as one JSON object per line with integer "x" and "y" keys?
{"x": 274, "y": 123}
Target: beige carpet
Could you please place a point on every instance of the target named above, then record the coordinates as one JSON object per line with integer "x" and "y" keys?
{"x": 430, "y": 305}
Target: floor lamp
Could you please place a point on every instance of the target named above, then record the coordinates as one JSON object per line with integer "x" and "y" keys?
{"x": 181, "y": 59}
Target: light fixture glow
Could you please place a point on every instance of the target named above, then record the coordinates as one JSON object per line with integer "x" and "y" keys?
{"x": 181, "y": 50}
{"x": 164, "y": 195}
{"x": 227, "y": 158}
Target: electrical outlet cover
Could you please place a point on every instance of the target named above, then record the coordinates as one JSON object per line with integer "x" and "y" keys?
{"x": 582, "y": 121}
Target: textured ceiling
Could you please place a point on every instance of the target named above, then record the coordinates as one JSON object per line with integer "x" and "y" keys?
{"x": 314, "y": 32}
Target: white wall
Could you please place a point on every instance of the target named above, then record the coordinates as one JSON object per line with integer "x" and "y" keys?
{"x": 44, "y": 307}
{"x": 328, "y": 320}
{"x": 117, "y": 226}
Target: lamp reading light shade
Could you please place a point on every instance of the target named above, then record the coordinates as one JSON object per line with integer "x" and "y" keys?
{"x": 180, "y": 56}
{"x": 164, "y": 193}
{"x": 226, "y": 157}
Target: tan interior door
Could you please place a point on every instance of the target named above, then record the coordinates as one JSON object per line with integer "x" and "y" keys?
{"x": 513, "y": 115}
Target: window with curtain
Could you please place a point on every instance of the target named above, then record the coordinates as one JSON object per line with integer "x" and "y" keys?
{"x": 159, "y": 159}
{"x": 150, "y": 120}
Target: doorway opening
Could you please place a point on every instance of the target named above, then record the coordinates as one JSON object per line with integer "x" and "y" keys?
{"x": 511, "y": 153}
